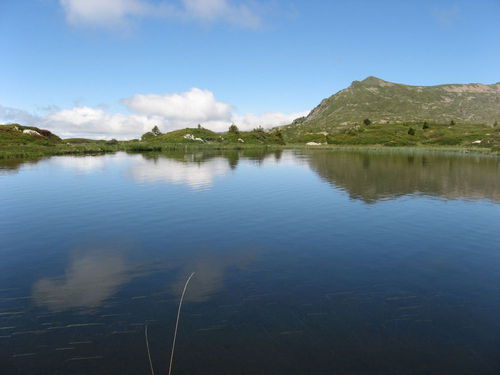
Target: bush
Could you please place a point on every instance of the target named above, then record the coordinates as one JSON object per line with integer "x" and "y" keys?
{"x": 425, "y": 126}
{"x": 367, "y": 122}
{"x": 156, "y": 131}
{"x": 147, "y": 136}
{"x": 411, "y": 131}
{"x": 234, "y": 129}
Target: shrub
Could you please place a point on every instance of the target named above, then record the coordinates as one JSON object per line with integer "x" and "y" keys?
{"x": 425, "y": 126}
{"x": 411, "y": 131}
{"x": 147, "y": 136}
{"x": 367, "y": 122}
{"x": 234, "y": 129}
{"x": 156, "y": 131}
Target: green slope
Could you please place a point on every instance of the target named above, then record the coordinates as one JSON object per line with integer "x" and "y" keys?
{"x": 387, "y": 102}
{"x": 26, "y": 135}
{"x": 201, "y": 136}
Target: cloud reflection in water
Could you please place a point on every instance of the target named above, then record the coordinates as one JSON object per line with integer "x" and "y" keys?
{"x": 209, "y": 275}
{"x": 195, "y": 175}
{"x": 89, "y": 280}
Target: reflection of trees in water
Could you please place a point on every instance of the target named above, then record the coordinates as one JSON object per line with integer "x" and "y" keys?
{"x": 232, "y": 156}
{"x": 371, "y": 176}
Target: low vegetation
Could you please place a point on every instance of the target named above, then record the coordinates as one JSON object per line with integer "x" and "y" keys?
{"x": 17, "y": 141}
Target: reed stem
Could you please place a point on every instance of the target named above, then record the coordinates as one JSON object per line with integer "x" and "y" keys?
{"x": 177, "y": 324}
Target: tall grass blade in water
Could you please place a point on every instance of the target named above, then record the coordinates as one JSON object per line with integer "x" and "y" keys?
{"x": 149, "y": 353}
{"x": 177, "y": 323}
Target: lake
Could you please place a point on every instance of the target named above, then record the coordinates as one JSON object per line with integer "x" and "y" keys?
{"x": 306, "y": 262}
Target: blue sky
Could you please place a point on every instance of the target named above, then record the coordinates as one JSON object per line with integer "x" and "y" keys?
{"x": 113, "y": 68}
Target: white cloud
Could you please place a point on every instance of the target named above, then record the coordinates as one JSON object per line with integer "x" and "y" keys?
{"x": 167, "y": 111}
{"x": 193, "y": 105}
{"x": 102, "y": 12}
{"x": 266, "y": 120}
{"x": 96, "y": 123}
{"x": 120, "y": 12}
{"x": 200, "y": 106}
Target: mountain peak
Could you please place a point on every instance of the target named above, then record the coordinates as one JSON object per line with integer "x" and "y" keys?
{"x": 384, "y": 101}
{"x": 370, "y": 81}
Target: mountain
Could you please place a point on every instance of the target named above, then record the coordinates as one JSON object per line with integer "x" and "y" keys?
{"x": 382, "y": 101}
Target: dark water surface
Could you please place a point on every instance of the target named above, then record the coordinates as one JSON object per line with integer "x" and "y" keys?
{"x": 320, "y": 262}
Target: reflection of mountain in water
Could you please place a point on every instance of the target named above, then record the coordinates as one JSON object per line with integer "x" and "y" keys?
{"x": 371, "y": 176}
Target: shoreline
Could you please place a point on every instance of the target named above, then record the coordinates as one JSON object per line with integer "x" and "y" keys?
{"x": 26, "y": 152}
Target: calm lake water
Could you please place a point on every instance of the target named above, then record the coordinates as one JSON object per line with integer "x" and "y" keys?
{"x": 306, "y": 262}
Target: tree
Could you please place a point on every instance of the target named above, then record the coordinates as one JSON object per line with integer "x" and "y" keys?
{"x": 259, "y": 129}
{"x": 452, "y": 123}
{"x": 495, "y": 124}
{"x": 112, "y": 142}
{"x": 425, "y": 126}
{"x": 367, "y": 122}
{"x": 199, "y": 126}
{"x": 234, "y": 129}
{"x": 156, "y": 131}
{"x": 411, "y": 131}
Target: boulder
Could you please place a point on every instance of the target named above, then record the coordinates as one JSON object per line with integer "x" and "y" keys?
{"x": 193, "y": 138}
{"x": 34, "y": 133}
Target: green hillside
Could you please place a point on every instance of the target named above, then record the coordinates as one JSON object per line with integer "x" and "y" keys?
{"x": 387, "y": 102}
{"x": 26, "y": 135}
{"x": 200, "y": 136}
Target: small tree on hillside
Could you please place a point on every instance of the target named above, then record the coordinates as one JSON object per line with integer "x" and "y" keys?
{"x": 452, "y": 123}
{"x": 234, "y": 129}
{"x": 367, "y": 122}
{"x": 411, "y": 131}
{"x": 425, "y": 126}
{"x": 199, "y": 126}
{"x": 156, "y": 131}
{"x": 495, "y": 124}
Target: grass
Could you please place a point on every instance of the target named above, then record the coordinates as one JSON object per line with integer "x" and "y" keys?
{"x": 204, "y": 136}
{"x": 412, "y": 134}
{"x": 14, "y": 144}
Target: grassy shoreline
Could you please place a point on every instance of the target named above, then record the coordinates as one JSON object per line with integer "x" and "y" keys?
{"x": 33, "y": 151}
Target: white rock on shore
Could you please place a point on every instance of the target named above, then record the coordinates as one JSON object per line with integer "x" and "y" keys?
{"x": 31, "y": 132}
